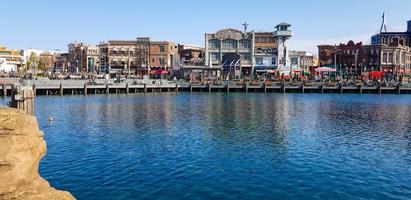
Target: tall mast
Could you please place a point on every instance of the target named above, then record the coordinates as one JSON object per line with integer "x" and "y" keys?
{"x": 383, "y": 25}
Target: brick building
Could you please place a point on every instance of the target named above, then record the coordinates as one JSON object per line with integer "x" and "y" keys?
{"x": 356, "y": 59}
{"x": 118, "y": 56}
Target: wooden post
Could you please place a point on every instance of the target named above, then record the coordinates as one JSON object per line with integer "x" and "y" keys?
{"x": 398, "y": 89}
{"x": 35, "y": 89}
{"x": 23, "y": 99}
{"x": 341, "y": 89}
{"x": 145, "y": 88}
{"x": 176, "y": 88}
{"x": 209, "y": 88}
{"x": 4, "y": 90}
{"x": 246, "y": 87}
{"x": 107, "y": 89}
{"x": 322, "y": 88}
{"x": 360, "y": 88}
{"x": 61, "y": 89}
{"x": 265, "y": 87}
{"x": 85, "y": 89}
{"x": 303, "y": 89}
{"x": 191, "y": 87}
{"x": 47, "y": 92}
{"x": 228, "y": 88}
{"x": 283, "y": 87}
{"x": 379, "y": 88}
{"x": 127, "y": 89}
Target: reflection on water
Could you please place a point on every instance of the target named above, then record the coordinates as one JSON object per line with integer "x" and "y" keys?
{"x": 231, "y": 146}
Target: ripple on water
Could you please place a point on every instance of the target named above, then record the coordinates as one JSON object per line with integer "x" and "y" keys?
{"x": 228, "y": 146}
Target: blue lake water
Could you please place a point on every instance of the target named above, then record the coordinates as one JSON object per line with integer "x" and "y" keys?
{"x": 228, "y": 146}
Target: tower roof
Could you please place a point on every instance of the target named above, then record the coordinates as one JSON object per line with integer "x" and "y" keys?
{"x": 283, "y": 24}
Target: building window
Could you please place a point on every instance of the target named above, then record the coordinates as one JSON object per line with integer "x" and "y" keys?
{"x": 214, "y": 44}
{"x": 390, "y": 58}
{"x": 245, "y": 56}
{"x": 162, "y": 49}
{"x": 229, "y": 44}
{"x": 294, "y": 61}
{"x": 161, "y": 61}
{"x": 215, "y": 57}
{"x": 384, "y": 58}
{"x": 245, "y": 44}
{"x": 259, "y": 61}
{"x": 273, "y": 61}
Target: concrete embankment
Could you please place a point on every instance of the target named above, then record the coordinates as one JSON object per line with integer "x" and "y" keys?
{"x": 22, "y": 146}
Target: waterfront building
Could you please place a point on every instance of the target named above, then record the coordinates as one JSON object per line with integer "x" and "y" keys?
{"x": 91, "y": 59}
{"x": 10, "y": 60}
{"x": 192, "y": 65}
{"x": 83, "y": 58}
{"x": 61, "y": 62}
{"x": 356, "y": 59}
{"x": 118, "y": 56}
{"x": 301, "y": 61}
{"x": 265, "y": 52}
{"x": 163, "y": 57}
{"x": 232, "y": 51}
{"x": 142, "y": 56}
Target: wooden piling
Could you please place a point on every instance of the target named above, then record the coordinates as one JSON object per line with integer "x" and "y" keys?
{"x": 228, "y": 88}
{"x": 4, "y": 90}
{"x": 85, "y": 89}
{"x": 35, "y": 89}
{"x": 209, "y": 87}
{"x": 379, "y": 88}
{"x": 283, "y": 87}
{"x": 191, "y": 87}
{"x": 322, "y": 88}
{"x": 265, "y": 87}
{"x": 398, "y": 89}
{"x": 341, "y": 89}
{"x": 61, "y": 89}
{"x": 127, "y": 89}
{"x": 360, "y": 88}
{"x": 177, "y": 86}
{"x": 145, "y": 88}
{"x": 22, "y": 98}
{"x": 246, "y": 88}
{"x": 107, "y": 89}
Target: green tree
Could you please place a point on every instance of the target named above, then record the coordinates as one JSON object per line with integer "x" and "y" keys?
{"x": 32, "y": 62}
{"x": 42, "y": 64}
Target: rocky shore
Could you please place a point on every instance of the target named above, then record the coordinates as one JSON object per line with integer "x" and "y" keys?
{"x": 22, "y": 146}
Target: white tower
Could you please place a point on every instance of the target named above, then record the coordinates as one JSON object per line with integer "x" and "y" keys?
{"x": 282, "y": 34}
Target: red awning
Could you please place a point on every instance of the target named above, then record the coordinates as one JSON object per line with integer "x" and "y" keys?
{"x": 158, "y": 72}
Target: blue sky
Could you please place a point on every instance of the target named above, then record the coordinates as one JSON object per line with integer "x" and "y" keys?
{"x": 53, "y": 24}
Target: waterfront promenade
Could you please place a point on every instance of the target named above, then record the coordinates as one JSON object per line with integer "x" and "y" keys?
{"x": 103, "y": 86}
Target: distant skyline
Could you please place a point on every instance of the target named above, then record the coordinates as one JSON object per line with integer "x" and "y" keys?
{"x": 51, "y": 25}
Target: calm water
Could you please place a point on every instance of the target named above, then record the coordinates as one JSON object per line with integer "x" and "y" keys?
{"x": 228, "y": 146}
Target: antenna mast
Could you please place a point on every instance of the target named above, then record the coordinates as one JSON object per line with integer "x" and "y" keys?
{"x": 383, "y": 25}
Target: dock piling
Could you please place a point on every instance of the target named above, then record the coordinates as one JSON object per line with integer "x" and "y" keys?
{"x": 61, "y": 89}
{"x": 107, "y": 89}
{"x": 127, "y": 89}
{"x": 34, "y": 89}
{"x": 85, "y": 89}
{"x": 4, "y": 90}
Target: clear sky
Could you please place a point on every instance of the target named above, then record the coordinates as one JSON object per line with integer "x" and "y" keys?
{"x": 52, "y": 24}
